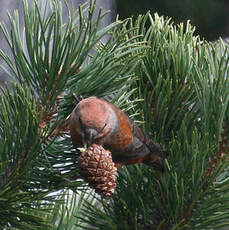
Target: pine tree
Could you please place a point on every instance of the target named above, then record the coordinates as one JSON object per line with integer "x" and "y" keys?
{"x": 172, "y": 83}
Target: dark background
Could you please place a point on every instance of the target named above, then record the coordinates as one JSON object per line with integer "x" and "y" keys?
{"x": 211, "y": 17}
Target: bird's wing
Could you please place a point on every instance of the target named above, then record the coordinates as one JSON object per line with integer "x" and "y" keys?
{"x": 156, "y": 156}
{"x": 144, "y": 138}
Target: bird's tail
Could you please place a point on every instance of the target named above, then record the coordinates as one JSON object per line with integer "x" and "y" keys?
{"x": 156, "y": 160}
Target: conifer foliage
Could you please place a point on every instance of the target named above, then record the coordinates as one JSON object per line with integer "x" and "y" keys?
{"x": 173, "y": 84}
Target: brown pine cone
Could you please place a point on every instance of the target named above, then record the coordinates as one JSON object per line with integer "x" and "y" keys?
{"x": 98, "y": 169}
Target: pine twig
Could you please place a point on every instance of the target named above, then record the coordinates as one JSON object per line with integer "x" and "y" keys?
{"x": 219, "y": 157}
{"x": 48, "y": 114}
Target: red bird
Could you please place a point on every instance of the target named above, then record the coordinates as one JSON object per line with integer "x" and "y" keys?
{"x": 95, "y": 120}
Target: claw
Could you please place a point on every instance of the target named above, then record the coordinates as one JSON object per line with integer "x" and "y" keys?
{"x": 78, "y": 98}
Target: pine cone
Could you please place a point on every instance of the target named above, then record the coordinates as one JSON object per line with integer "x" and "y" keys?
{"x": 98, "y": 169}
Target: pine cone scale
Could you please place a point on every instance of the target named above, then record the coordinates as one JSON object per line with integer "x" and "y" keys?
{"x": 98, "y": 169}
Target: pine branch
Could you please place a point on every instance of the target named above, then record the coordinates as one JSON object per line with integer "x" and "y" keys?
{"x": 20, "y": 144}
{"x": 184, "y": 82}
{"x": 53, "y": 62}
{"x": 162, "y": 75}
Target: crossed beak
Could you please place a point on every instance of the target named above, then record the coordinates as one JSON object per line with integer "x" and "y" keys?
{"x": 89, "y": 136}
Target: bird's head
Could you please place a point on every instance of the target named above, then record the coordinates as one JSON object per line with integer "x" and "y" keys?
{"x": 95, "y": 120}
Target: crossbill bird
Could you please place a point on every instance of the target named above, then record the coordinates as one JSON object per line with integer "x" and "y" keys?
{"x": 95, "y": 120}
